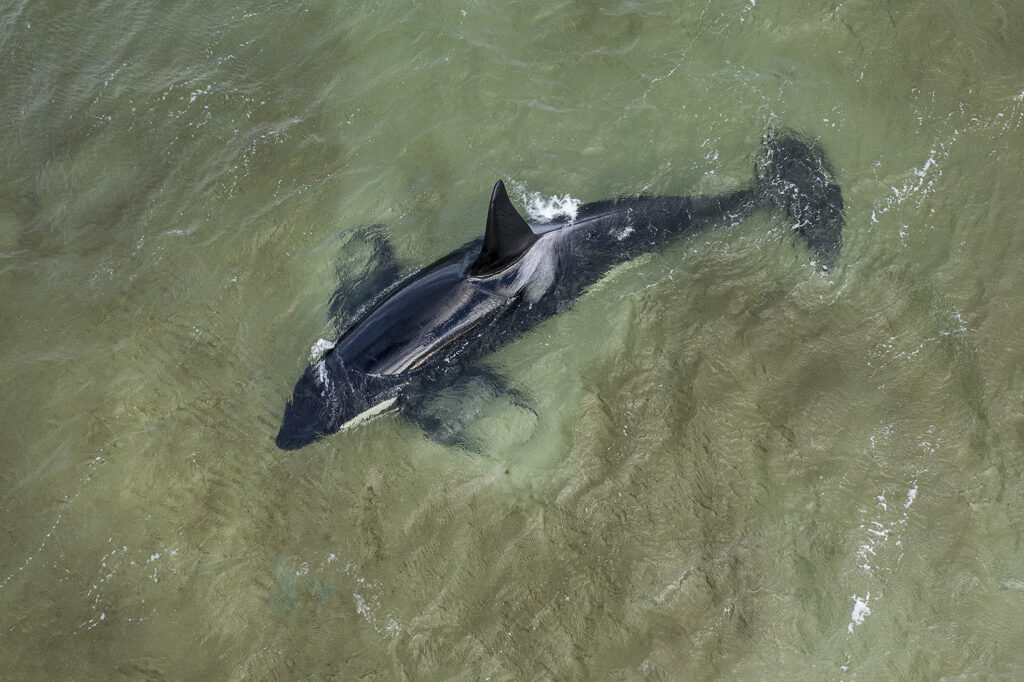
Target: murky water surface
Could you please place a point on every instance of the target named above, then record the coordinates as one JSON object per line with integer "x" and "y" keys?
{"x": 741, "y": 467}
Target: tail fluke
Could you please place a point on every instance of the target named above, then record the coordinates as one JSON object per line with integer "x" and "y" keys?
{"x": 795, "y": 176}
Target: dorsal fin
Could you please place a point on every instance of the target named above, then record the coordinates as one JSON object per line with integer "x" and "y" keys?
{"x": 506, "y": 237}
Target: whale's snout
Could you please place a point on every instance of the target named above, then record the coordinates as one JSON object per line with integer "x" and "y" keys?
{"x": 312, "y": 411}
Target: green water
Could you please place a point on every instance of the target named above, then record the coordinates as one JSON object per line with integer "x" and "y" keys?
{"x": 742, "y": 468}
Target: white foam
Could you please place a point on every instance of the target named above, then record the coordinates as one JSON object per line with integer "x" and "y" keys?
{"x": 545, "y": 209}
{"x": 368, "y": 604}
{"x": 860, "y": 611}
{"x": 197, "y": 93}
{"x": 911, "y": 496}
{"x": 319, "y": 349}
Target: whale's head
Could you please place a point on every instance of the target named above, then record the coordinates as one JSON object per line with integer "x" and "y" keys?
{"x": 330, "y": 396}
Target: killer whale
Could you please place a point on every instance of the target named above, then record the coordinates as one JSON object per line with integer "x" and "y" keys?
{"x": 424, "y": 333}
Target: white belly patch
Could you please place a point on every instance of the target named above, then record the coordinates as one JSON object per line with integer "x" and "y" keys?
{"x": 369, "y": 414}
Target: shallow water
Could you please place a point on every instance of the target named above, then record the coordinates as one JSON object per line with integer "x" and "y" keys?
{"x": 741, "y": 467}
